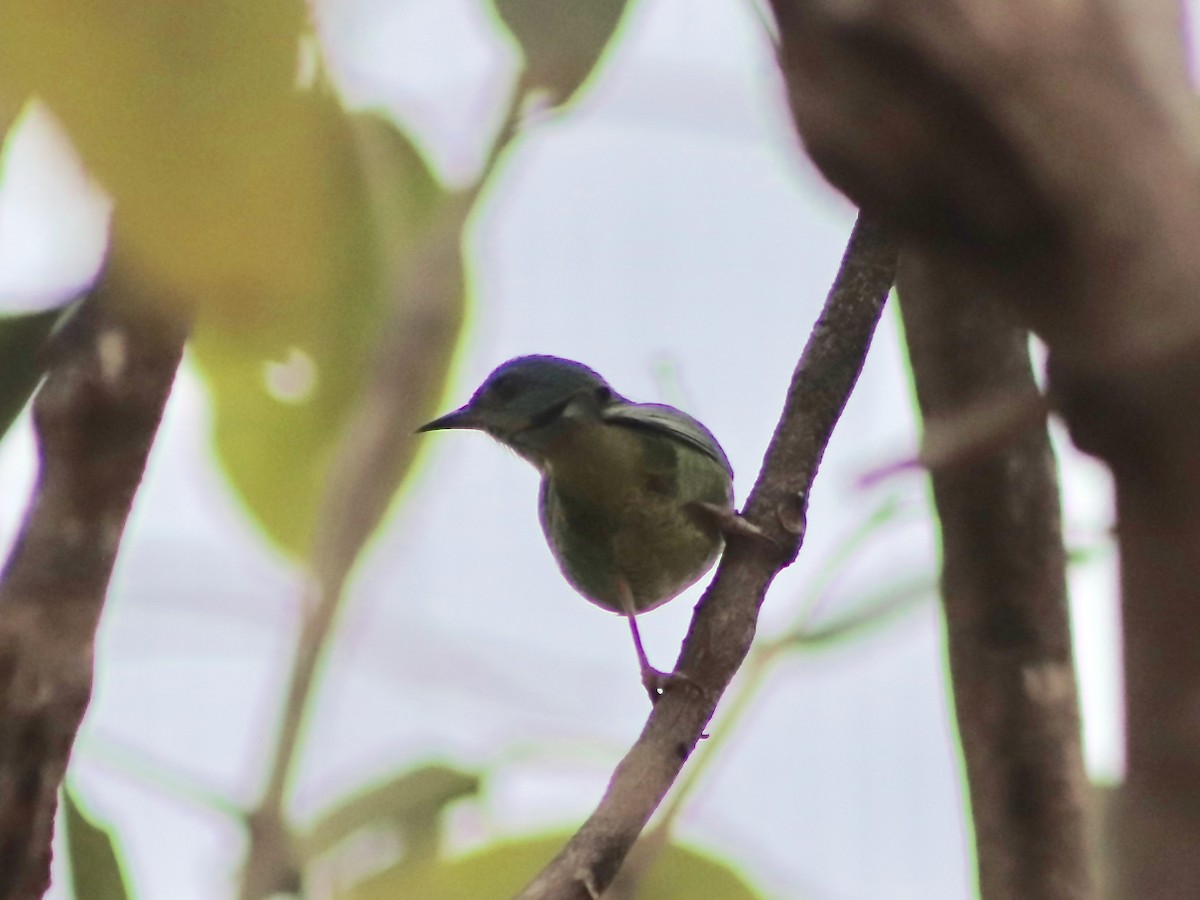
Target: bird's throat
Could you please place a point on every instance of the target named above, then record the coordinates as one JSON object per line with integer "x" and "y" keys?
{"x": 593, "y": 461}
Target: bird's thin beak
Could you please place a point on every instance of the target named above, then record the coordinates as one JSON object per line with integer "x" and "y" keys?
{"x": 463, "y": 417}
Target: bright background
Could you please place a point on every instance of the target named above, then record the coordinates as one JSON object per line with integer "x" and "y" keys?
{"x": 668, "y": 232}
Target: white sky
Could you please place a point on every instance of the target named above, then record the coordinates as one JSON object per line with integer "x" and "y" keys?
{"x": 658, "y": 225}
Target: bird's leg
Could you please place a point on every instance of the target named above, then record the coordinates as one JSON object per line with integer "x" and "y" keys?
{"x": 730, "y": 522}
{"x": 654, "y": 680}
{"x": 651, "y": 677}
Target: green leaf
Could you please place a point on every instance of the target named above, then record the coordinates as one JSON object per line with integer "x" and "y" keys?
{"x": 292, "y": 228}
{"x": 562, "y": 40}
{"x": 499, "y": 871}
{"x": 423, "y": 280}
{"x": 21, "y": 341}
{"x": 189, "y": 116}
{"x": 10, "y": 110}
{"x": 285, "y": 383}
{"x": 96, "y": 872}
{"x": 410, "y": 803}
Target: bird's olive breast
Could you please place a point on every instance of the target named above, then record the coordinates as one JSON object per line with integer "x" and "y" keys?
{"x": 618, "y": 505}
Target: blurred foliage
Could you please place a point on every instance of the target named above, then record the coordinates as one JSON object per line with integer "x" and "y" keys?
{"x": 865, "y": 615}
{"x": 285, "y": 387}
{"x": 561, "y": 40}
{"x": 22, "y": 340}
{"x": 860, "y": 615}
{"x": 10, "y": 111}
{"x": 501, "y": 870}
{"x": 293, "y": 228}
{"x": 188, "y": 115}
{"x": 409, "y": 804}
{"x": 288, "y": 224}
{"x": 95, "y": 868}
{"x": 410, "y": 808}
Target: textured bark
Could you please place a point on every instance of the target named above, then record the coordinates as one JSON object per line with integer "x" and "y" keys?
{"x": 110, "y": 372}
{"x": 1005, "y": 602}
{"x": 724, "y": 623}
{"x": 1043, "y": 156}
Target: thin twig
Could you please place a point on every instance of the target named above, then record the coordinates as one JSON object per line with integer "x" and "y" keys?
{"x": 361, "y": 484}
{"x": 159, "y": 775}
{"x": 724, "y": 622}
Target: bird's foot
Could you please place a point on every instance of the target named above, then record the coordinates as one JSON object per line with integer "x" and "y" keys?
{"x": 658, "y": 683}
{"x": 731, "y": 523}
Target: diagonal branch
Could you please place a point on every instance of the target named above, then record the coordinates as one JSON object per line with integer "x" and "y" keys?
{"x": 1004, "y": 597}
{"x": 96, "y": 416}
{"x": 724, "y": 622}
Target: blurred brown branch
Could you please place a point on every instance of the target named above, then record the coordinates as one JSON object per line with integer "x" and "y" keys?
{"x": 724, "y": 622}
{"x": 1043, "y": 157}
{"x": 1005, "y": 602}
{"x": 375, "y": 449}
{"x": 96, "y": 415}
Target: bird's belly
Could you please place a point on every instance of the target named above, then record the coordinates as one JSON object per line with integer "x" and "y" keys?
{"x": 655, "y": 545}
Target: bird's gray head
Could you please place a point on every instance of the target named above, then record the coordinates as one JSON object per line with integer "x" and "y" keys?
{"x": 524, "y": 395}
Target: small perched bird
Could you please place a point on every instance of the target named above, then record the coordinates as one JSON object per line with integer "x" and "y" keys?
{"x": 635, "y": 498}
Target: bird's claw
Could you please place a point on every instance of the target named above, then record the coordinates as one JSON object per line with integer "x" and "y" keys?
{"x": 732, "y": 523}
{"x": 658, "y": 683}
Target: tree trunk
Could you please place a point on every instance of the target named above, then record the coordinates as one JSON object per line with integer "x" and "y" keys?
{"x": 1044, "y": 157}
{"x": 1004, "y": 595}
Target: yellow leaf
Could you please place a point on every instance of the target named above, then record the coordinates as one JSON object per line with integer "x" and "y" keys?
{"x": 287, "y": 378}
{"x": 500, "y": 871}
{"x": 189, "y": 116}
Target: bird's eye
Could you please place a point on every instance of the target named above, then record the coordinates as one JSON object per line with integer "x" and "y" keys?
{"x": 503, "y": 388}
{"x": 604, "y": 393}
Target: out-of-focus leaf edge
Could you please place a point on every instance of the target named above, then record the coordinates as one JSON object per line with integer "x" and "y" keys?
{"x": 21, "y": 360}
{"x": 96, "y": 872}
{"x": 532, "y": 47}
{"x": 875, "y": 612}
{"x": 501, "y": 869}
{"x": 411, "y": 801}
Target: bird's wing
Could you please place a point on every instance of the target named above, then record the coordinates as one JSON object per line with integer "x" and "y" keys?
{"x": 671, "y": 422}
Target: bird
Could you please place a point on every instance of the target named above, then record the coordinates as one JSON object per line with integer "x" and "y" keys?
{"x": 636, "y": 499}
